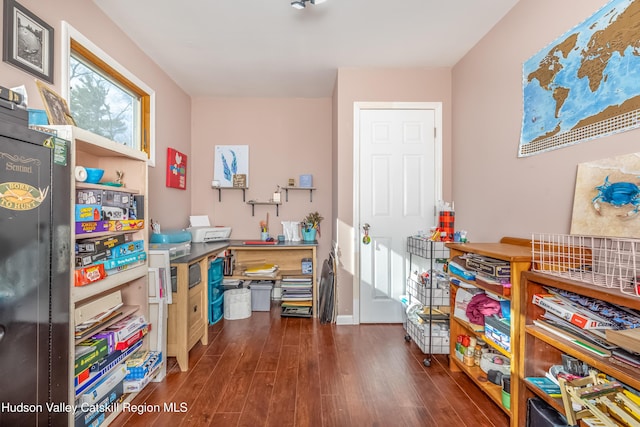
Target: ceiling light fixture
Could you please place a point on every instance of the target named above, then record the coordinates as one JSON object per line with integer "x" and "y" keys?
{"x": 300, "y": 4}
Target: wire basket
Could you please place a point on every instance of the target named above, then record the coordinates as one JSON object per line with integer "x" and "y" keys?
{"x": 602, "y": 261}
{"x": 425, "y": 248}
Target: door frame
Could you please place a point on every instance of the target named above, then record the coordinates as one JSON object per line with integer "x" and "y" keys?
{"x": 357, "y": 107}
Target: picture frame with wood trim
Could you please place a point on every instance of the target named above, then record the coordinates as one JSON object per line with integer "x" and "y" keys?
{"x": 27, "y": 41}
{"x": 56, "y": 107}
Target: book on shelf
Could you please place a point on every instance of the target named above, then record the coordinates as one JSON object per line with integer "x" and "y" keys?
{"x": 592, "y": 336}
{"x": 102, "y": 387}
{"x": 94, "y": 377}
{"x": 627, "y": 357}
{"x": 11, "y": 95}
{"x": 546, "y": 385}
{"x": 629, "y": 339}
{"x": 295, "y": 279}
{"x": 602, "y": 352}
{"x": 88, "y": 352}
{"x": 303, "y": 303}
{"x": 570, "y": 312}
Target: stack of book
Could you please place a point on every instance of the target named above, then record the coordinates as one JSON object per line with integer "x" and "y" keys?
{"x": 297, "y": 297}
{"x": 581, "y": 321}
{"x": 11, "y": 106}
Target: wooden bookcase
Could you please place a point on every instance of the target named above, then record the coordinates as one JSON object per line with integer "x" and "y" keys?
{"x": 538, "y": 349}
{"x": 518, "y": 253}
{"x": 91, "y": 150}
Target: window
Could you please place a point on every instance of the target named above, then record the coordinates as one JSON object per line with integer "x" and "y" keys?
{"x": 105, "y": 98}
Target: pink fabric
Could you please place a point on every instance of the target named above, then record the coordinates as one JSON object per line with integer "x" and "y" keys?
{"x": 481, "y": 305}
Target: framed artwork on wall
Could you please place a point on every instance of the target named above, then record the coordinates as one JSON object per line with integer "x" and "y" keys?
{"x": 176, "y": 169}
{"x": 27, "y": 41}
{"x": 58, "y": 112}
{"x": 607, "y": 197}
{"x": 229, "y": 161}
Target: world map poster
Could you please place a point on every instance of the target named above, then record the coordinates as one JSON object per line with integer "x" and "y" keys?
{"x": 586, "y": 84}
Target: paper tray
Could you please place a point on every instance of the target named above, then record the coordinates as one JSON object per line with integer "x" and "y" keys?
{"x": 296, "y": 312}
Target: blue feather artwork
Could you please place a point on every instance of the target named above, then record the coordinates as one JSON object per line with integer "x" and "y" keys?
{"x": 227, "y": 171}
{"x": 234, "y": 163}
{"x": 230, "y": 160}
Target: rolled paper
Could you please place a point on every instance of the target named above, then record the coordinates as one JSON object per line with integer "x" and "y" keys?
{"x": 81, "y": 174}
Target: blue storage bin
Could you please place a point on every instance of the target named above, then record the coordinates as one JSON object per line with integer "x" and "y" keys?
{"x": 215, "y": 272}
{"x": 37, "y": 117}
{"x": 216, "y": 310}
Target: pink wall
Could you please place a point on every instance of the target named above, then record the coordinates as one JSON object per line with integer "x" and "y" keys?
{"x": 495, "y": 192}
{"x": 173, "y": 109}
{"x": 376, "y": 85}
{"x": 286, "y": 138}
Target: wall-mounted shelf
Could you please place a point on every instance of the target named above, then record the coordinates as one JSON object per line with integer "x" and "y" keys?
{"x": 253, "y": 204}
{"x": 230, "y": 188}
{"x": 287, "y": 188}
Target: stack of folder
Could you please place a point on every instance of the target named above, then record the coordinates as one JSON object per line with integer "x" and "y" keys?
{"x": 263, "y": 270}
{"x": 297, "y": 297}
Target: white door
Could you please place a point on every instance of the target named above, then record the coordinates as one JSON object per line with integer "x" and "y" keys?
{"x": 399, "y": 184}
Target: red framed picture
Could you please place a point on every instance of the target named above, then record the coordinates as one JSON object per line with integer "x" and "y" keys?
{"x": 176, "y": 169}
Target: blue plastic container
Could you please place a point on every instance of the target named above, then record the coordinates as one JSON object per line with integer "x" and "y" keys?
{"x": 180, "y": 236}
{"x": 37, "y": 117}
{"x": 216, "y": 311}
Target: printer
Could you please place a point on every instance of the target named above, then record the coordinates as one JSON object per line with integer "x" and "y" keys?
{"x": 202, "y": 232}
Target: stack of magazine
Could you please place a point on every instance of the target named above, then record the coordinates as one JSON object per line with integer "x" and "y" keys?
{"x": 297, "y": 297}
{"x": 601, "y": 328}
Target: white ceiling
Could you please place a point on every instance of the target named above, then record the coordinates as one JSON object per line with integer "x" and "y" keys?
{"x": 266, "y": 48}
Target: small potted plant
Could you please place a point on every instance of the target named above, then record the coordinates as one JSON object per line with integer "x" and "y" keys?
{"x": 311, "y": 226}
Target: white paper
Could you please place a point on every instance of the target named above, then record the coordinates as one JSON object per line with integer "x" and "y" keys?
{"x": 199, "y": 221}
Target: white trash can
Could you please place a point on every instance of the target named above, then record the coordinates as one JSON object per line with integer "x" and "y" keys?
{"x": 237, "y": 304}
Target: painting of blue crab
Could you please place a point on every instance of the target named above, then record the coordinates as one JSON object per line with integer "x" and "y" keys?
{"x": 618, "y": 194}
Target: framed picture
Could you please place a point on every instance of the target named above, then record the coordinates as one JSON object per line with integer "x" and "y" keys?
{"x": 27, "y": 42}
{"x": 229, "y": 162}
{"x": 176, "y": 169}
{"x": 56, "y": 107}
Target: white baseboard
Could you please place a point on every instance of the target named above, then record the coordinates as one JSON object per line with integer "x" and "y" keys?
{"x": 345, "y": 320}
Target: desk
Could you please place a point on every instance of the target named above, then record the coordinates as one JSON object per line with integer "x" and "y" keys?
{"x": 187, "y": 318}
{"x": 288, "y": 256}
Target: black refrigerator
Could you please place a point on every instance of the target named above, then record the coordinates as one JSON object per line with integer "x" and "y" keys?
{"x": 35, "y": 277}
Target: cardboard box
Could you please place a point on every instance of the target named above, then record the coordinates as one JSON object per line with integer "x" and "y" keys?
{"x": 118, "y": 199}
{"x": 490, "y": 266}
{"x": 91, "y": 227}
{"x": 89, "y": 197}
{"x": 128, "y": 248}
{"x": 498, "y": 330}
{"x": 125, "y": 225}
{"x": 112, "y": 263}
{"x": 93, "y": 246}
{"x": 87, "y": 275}
{"x": 82, "y": 260}
{"x": 99, "y": 349}
{"x": 88, "y": 213}
{"x": 126, "y": 327}
{"x": 571, "y": 313}
{"x": 110, "y": 213}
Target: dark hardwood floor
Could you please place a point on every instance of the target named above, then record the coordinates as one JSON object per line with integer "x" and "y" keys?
{"x": 273, "y": 371}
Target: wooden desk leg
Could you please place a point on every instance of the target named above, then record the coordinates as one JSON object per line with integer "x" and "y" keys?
{"x": 204, "y": 269}
{"x": 182, "y": 352}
